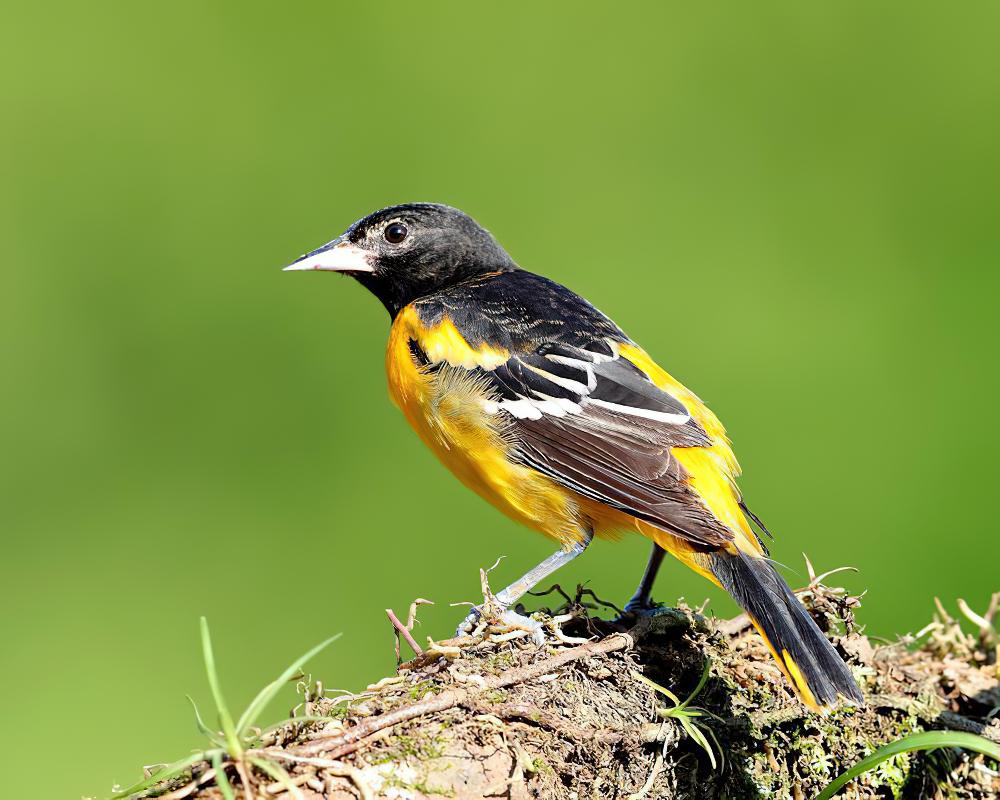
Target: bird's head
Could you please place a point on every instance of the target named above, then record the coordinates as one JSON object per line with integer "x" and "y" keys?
{"x": 406, "y": 252}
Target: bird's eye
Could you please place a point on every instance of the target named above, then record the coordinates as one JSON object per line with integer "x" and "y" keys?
{"x": 395, "y": 233}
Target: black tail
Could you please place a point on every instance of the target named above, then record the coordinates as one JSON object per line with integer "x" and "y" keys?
{"x": 801, "y": 649}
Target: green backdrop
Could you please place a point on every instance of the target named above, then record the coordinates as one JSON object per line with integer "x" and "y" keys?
{"x": 792, "y": 206}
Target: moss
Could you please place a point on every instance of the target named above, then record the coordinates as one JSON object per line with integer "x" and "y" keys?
{"x": 495, "y": 696}
{"x": 423, "y": 747}
{"x": 498, "y": 662}
{"x": 339, "y": 711}
{"x": 819, "y": 761}
{"x": 426, "y": 788}
{"x": 892, "y": 774}
{"x": 540, "y": 766}
{"x": 421, "y": 786}
{"x": 420, "y": 690}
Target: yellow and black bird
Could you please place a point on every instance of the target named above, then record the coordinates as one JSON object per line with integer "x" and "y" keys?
{"x": 542, "y": 405}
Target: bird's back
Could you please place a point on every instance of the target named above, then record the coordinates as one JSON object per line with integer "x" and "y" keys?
{"x": 517, "y": 310}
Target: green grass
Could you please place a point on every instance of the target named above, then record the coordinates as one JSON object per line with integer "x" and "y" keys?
{"x": 911, "y": 744}
{"x": 689, "y": 716}
{"x": 234, "y": 739}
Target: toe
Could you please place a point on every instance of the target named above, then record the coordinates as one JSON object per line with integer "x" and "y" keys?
{"x": 642, "y": 607}
{"x": 470, "y": 623}
{"x": 521, "y": 622}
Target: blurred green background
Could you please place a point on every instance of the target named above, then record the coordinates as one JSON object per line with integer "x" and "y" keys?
{"x": 793, "y": 207}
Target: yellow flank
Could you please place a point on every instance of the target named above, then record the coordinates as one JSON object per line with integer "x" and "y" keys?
{"x": 712, "y": 470}
{"x": 445, "y": 407}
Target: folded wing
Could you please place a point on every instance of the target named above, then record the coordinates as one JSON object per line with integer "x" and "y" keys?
{"x": 594, "y": 422}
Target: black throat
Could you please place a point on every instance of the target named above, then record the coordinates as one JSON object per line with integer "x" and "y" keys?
{"x": 396, "y": 288}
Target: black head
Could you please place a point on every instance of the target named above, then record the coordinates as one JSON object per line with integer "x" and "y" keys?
{"x": 406, "y": 252}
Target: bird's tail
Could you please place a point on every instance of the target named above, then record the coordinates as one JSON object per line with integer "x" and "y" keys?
{"x": 801, "y": 649}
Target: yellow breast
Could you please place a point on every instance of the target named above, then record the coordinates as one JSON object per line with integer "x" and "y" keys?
{"x": 445, "y": 406}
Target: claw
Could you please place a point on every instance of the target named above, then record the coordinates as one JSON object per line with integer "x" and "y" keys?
{"x": 643, "y": 608}
{"x": 521, "y": 622}
{"x": 472, "y": 622}
{"x": 475, "y": 623}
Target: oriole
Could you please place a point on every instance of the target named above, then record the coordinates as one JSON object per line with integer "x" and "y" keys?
{"x": 543, "y": 406}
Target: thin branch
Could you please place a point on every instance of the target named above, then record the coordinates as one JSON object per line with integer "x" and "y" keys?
{"x": 402, "y": 630}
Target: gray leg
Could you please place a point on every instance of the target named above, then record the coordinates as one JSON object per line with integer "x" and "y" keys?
{"x": 641, "y": 600}
{"x": 511, "y": 594}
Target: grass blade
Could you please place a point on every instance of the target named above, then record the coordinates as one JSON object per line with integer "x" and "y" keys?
{"x": 718, "y": 747}
{"x": 169, "y": 771}
{"x": 212, "y": 736}
{"x": 701, "y": 685}
{"x": 221, "y": 779}
{"x": 225, "y": 718}
{"x": 909, "y": 744}
{"x": 267, "y": 694}
{"x": 657, "y": 688}
{"x": 698, "y": 736}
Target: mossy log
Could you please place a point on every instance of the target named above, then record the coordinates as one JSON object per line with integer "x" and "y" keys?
{"x": 579, "y": 717}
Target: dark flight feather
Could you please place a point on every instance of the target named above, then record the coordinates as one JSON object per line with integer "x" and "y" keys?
{"x": 625, "y": 463}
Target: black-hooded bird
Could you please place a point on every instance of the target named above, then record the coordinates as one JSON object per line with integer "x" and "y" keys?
{"x": 543, "y": 406}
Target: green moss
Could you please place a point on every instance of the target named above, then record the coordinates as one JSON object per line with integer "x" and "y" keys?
{"x": 498, "y": 662}
{"x": 892, "y": 774}
{"x": 540, "y": 766}
{"x": 495, "y": 696}
{"x": 426, "y": 788}
{"x": 416, "y": 748}
{"x": 419, "y": 786}
{"x": 340, "y": 711}
{"x": 420, "y": 690}
{"x": 819, "y": 761}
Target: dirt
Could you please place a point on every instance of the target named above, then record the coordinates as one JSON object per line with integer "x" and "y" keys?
{"x": 574, "y": 718}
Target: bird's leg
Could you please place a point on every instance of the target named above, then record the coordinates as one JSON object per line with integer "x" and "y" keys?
{"x": 642, "y": 600}
{"x": 511, "y": 594}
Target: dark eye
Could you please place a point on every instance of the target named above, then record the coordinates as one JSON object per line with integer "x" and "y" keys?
{"x": 395, "y": 233}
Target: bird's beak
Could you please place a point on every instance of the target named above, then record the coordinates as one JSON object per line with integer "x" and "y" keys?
{"x": 337, "y": 256}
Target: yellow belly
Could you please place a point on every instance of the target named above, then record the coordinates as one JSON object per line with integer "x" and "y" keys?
{"x": 445, "y": 408}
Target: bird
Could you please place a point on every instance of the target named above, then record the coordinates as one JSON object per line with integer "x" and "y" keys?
{"x": 543, "y": 406}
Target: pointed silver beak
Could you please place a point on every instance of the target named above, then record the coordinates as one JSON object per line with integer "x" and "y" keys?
{"x": 337, "y": 256}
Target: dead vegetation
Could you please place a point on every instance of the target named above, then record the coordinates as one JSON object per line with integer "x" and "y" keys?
{"x": 599, "y": 712}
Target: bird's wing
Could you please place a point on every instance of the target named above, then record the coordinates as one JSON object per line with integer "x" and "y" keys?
{"x": 591, "y": 420}
{"x": 579, "y": 404}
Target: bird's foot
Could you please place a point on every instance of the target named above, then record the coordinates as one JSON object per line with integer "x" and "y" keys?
{"x": 493, "y": 616}
{"x": 473, "y": 624}
{"x": 639, "y": 607}
{"x": 520, "y": 622}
